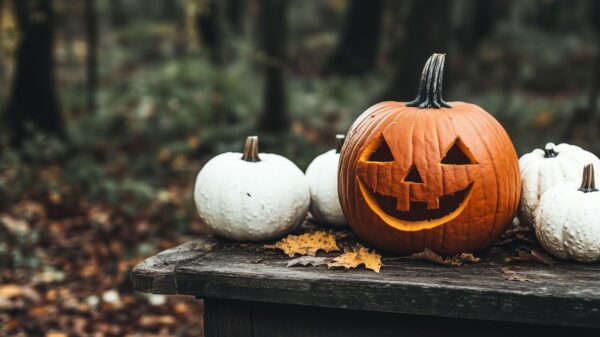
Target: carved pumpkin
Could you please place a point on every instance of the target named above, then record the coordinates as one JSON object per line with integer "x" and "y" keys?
{"x": 428, "y": 174}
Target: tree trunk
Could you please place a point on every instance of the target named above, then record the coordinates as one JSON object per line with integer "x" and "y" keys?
{"x": 273, "y": 18}
{"x": 357, "y": 47}
{"x": 117, "y": 14}
{"x": 170, "y": 10}
{"x": 209, "y": 28}
{"x": 91, "y": 27}
{"x": 235, "y": 15}
{"x": 427, "y": 33}
{"x": 33, "y": 96}
{"x": 584, "y": 120}
{"x": 479, "y": 23}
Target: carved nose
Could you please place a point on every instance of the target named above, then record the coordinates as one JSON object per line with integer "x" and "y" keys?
{"x": 413, "y": 176}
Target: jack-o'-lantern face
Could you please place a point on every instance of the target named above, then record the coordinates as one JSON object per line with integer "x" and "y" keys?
{"x": 410, "y": 192}
{"x": 428, "y": 174}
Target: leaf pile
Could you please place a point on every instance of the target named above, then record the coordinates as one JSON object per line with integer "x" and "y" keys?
{"x": 306, "y": 244}
{"x": 64, "y": 271}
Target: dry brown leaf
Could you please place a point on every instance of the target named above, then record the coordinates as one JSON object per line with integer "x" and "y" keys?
{"x": 155, "y": 320}
{"x": 306, "y": 244}
{"x": 468, "y": 257}
{"x": 308, "y": 261}
{"x": 429, "y": 255}
{"x": 525, "y": 238}
{"x": 455, "y": 261}
{"x": 10, "y": 290}
{"x": 512, "y": 275}
{"x": 533, "y": 256}
{"x": 56, "y": 334}
{"x": 360, "y": 255}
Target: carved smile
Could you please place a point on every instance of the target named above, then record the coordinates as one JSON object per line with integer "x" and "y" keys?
{"x": 418, "y": 217}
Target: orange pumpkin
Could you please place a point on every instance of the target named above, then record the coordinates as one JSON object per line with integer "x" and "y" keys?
{"x": 428, "y": 174}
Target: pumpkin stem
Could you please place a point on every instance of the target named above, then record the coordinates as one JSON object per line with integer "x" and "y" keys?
{"x": 587, "y": 183}
{"x": 429, "y": 94}
{"x": 549, "y": 151}
{"x": 251, "y": 149}
{"x": 339, "y": 142}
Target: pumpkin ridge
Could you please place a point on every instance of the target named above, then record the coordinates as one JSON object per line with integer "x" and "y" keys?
{"x": 503, "y": 136}
{"x": 476, "y": 129}
{"x": 487, "y": 120}
{"x": 438, "y": 148}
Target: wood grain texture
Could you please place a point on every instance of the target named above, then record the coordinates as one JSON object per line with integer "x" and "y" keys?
{"x": 157, "y": 273}
{"x": 282, "y": 320}
{"x": 566, "y": 294}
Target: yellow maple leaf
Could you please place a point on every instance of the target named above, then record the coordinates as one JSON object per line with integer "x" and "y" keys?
{"x": 306, "y": 244}
{"x": 360, "y": 255}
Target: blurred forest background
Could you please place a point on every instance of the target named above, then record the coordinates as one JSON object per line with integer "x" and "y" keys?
{"x": 109, "y": 108}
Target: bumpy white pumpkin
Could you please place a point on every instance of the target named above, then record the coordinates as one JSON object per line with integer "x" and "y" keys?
{"x": 567, "y": 223}
{"x": 543, "y": 169}
{"x": 251, "y": 197}
{"x": 322, "y": 175}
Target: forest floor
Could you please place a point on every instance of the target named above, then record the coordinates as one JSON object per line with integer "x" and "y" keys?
{"x": 77, "y": 282}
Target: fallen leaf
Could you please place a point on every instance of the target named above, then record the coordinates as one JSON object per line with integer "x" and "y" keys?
{"x": 533, "y": 256}
{"x": 454, "y": 261}
{"x": 30, "y": 210}
{"x": 525, "y": 238}
{"x": 155, "y": 320}
{"x": 10, "y": 291}
{"x": 306, "y": 244}
{"x": 468, "y": 257}
{"x": 512, "y": 275}
{"x": 308, "y": 261}
{"x": 360, "y": 255}
{"x": 429, "y": 255}
{"x": 13, "y": 225}
{"x": 56, "y": 334}
{"x": 343, "y": 234}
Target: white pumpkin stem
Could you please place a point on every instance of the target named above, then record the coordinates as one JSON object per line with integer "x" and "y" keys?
{"x": 549, "y": 151}
{"x": 588, "y": 184}
{"x": 339, "y": 142}
{"x": 251, "y": 149}
{"x": 429, "y": 94}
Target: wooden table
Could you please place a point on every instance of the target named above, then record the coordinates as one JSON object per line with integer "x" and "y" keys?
{"x": 249, "y": 291}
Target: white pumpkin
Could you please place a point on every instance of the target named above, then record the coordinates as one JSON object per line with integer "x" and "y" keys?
{"x": 251, "y": 196}
{"x": 322, "y": 175}
{"x": 543, "y": 169}
{"x": 567, "y": 223}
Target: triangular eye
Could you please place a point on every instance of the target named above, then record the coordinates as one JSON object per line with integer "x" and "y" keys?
{"x": 458, "y": 154}
{"x": 413, "y": 176}
{"x": 382, "y": 153}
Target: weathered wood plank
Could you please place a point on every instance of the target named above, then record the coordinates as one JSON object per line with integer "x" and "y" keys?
{"x": 156, "y": 274}
{"x": 565, "y": 294}
{"x": 475, "y": 291}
